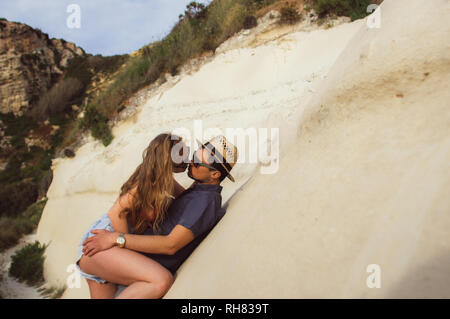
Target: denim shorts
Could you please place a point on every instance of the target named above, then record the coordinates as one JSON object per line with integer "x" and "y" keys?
{"x": 102, "y": 223}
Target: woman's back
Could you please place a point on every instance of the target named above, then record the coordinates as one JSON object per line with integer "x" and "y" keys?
{"x": 118, "y": 220}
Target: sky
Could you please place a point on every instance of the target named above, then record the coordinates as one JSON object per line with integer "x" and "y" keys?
{"x": 106, "y": 27}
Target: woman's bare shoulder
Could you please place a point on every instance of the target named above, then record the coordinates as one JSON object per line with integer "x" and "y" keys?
{"x": 126, "y": 199}
{"x": 123, "y": 202}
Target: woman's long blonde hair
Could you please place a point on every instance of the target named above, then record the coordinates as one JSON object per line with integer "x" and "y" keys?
{"x": 154, "y": 181}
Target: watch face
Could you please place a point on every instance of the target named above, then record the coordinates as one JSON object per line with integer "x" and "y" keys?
{"x": 121, "y": 240}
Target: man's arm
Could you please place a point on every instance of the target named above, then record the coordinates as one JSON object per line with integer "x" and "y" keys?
{"x": 179, "y": 237}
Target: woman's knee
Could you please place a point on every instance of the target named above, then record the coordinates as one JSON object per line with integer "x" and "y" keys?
{"x": 164, "y": 283}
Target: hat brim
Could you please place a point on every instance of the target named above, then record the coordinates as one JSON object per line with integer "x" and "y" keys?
{"x": 228, "y": 172}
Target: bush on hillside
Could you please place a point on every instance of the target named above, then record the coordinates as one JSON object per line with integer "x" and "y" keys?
{"x": 97, "y": 123}
{"x": 355, "y": 9}
{"x": 79, "y": 68}
{"x": 58, "y": 100}
{"x": 13, "y": 228}
{"x": 16, "y": 197}
{"x": 106, "y": 64}
{"x": 31, "y": 165}
{"x": 19, "y": 126}
{"x": 289, "y": 15}
{"x": 27, "y": 264}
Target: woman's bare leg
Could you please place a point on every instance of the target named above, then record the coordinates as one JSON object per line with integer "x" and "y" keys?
{"x": 145, "y": 277}
{"x": 101, "y": 291}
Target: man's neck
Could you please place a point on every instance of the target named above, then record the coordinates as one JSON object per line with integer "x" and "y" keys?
{"x": 207, "y": 183}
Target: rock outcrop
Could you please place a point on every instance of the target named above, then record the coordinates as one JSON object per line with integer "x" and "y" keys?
{"x": 30, "y": 63}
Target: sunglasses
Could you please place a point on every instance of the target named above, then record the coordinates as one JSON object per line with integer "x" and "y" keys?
{"x": 196, "y": 162}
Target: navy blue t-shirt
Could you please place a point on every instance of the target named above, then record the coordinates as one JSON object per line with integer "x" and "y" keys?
{"x": 198, "y": 208}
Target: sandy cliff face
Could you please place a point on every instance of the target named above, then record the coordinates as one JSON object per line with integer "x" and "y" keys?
{"x": 363, "y": 170}
{"x": 30, "y": 63}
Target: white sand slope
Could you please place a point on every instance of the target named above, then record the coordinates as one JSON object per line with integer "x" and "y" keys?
{"x": 363, "y": 175}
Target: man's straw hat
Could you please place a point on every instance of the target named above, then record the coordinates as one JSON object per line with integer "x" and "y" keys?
{"x": 223, "y": 151}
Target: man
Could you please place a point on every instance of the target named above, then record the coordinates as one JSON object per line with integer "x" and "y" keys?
{"x": 190, "y": 217}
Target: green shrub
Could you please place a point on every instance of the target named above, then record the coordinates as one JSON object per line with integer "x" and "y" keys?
{"x": 79, "y": 68}
{"x": 41, "y": 161}
{"x": 34, "y": 212}
{"x": 37, "y": 162}
{"x": 18, "y": 142}
{"x": 10, "y": 234}
{"x": 107, "y": 64}
{"x": 27, "y": 264}
{"x": 101, "y": 132}
{"x": 57, "y": 139}
{"x": 45, "y": 162}
{"x": 16, "y": 197}
{"x": 19, "y": 126}
{"x": 289, "y": 15}
{"x": 355, "y": 9}
{"x": 12, "y": 171}
{"x": 14, "y": 228}
{"x": 97, "y": 123}
{"x": 257, "y": 4}
{"x": 135, "y": 72}
{"x": 195, "y": 10}
{"x": 91, "y": 116}
{"x": 57, "y": 119}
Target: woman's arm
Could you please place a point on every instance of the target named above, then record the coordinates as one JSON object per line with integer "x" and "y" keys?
{"x": 179, "y": 237}
{"x": 118, "y": 222}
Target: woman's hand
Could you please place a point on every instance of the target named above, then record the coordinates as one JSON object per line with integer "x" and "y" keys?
{"x": 102, "y": 240}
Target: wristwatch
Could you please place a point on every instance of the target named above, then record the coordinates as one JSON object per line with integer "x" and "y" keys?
{"x": 120, "y": 240}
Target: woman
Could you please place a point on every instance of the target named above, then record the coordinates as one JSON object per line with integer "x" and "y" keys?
{"x": 142, "y": 203}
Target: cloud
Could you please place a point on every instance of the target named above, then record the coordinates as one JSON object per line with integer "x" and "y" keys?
{"x": 108, "y": 27}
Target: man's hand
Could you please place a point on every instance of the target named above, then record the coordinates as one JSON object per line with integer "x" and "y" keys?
{"x": 102, "y": 240}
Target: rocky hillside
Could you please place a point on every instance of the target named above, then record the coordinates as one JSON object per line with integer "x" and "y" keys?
{"x": 30, "y": 63}
{"x": 43, "y": 85}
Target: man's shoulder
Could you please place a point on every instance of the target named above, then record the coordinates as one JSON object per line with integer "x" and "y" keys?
{"x": 202, "y": 195}
{"x": 199, "y": 201}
